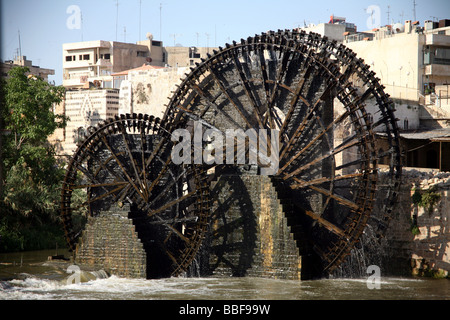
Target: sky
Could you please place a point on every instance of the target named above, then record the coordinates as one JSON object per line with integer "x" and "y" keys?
{"x": 45, "y": 25}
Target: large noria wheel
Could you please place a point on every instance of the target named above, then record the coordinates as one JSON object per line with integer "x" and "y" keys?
{"x": 302, "y": 85}
{"x": 127, "y": 160}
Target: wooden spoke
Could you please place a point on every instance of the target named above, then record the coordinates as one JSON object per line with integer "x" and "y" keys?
{"x": 171, "y": 203}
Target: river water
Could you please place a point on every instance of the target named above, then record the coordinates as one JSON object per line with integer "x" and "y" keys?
{"x": 29, "y": 276}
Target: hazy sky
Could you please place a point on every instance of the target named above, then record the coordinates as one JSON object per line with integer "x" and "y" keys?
{"x": 45, "y": 25}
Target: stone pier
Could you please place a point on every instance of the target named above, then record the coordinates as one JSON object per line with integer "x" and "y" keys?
{"x": 110, "y": 242}
{"x": 249, "y": 233}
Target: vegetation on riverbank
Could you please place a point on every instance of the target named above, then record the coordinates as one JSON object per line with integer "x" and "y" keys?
{"x": 30, "y": 174}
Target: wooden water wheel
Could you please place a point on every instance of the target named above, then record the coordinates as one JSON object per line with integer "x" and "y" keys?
{"x": 326, "y": 107}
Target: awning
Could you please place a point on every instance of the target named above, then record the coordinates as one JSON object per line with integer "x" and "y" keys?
{"x": 441, "y": 134}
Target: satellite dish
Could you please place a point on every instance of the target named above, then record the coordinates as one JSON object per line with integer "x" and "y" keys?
{"x": 149, "y": 36}
{"x": 398, "y": 28}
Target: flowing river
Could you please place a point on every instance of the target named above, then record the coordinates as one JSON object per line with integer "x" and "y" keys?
{"x": 30, "y": 276}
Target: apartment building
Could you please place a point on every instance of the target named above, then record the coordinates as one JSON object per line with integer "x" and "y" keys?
{"x": 335, "y": 29}
{"x": 413, "y": 63}
{"x": 95, "y": 61}
{"x": 23, "y": 62}
{"x": 85, "y": 108}
{"x": 186, "y": 56}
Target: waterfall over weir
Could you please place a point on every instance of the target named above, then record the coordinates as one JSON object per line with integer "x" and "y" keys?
{"x": 368, "y": 251}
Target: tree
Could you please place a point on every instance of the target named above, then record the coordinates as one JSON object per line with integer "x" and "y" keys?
{"x": 28, "y": 113}
{"x": 31, "y": 173}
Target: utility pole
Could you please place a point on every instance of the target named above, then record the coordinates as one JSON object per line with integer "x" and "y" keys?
{"x": 207, "y": 41}
{"x": 388, "y": 12}
{"x": 20, "y": 48}
{"x": 140, "y": 9}
{"x": 160, "y": 22}
{"x": 117, "y": 15}
{"x": 175, "y": 38}
{"x": 81, "y": 18}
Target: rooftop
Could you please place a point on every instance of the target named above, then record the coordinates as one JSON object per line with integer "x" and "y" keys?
{"x": 441, "y": 134}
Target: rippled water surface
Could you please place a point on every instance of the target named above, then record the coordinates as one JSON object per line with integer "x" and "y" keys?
{"x": 30, "y": 276}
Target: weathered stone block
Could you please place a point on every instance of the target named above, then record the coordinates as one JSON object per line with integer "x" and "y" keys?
{"x": 110, "y": 242}
{"x": 249, "y": 233}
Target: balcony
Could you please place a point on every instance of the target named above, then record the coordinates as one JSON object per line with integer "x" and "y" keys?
{"x": 75, "y": 79}
{"x": 105, "y": 63}
{"x": 437, "y": 70}
{"x": 441, "y": 40}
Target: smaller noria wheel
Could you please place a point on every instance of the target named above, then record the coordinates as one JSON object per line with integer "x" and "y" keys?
{"x": 127, "y": 160}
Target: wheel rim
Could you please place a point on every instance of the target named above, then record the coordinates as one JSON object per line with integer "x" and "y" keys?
{"x": 286, "y": 80}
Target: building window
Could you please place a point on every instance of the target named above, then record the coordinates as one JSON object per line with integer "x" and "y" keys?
{"x": 141, "y": 54}
{"x": 193, "y": 54}
{"x": 86, "y": 57}
{"x": 436, "y": 55}
{"x": 429, "y": 87}
{"x": 156, "y": 43}
{"x": 70, "y": 58}
{"x": 105, "y": 56}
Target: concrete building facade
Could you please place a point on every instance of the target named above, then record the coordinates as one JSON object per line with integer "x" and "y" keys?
{"x": 96, "y": 61}
{"x": 85, "y": 108}
{"x": 23, "y": 62}
{"x": 335, "y": 29}
{"x": 413, "y": 62}
{"x": 90, "y": 61}
{"x": 147, "y": 89}
{"x": 186, "y": 56}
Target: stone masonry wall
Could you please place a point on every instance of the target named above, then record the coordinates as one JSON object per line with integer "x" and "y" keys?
{"x": 110, "y": 242}
{"x": 418, "y": 240}
{"x": 249, "y": 233}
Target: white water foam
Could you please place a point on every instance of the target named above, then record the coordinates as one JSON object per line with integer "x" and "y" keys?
{"x": 222, "y": 288}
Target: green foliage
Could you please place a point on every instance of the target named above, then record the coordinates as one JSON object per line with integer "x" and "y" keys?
{"x": 28, "y": 107}
{"x": 429, "y": 199}
{"x": 29, "y": 198}
{"x": 415, "y": 228}
{"x": 426, "y": 199}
